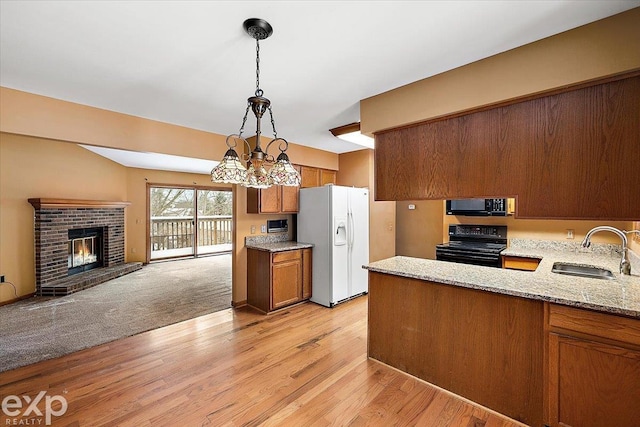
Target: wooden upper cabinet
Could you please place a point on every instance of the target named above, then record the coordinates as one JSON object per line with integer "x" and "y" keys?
{"x": 275, "y": 199}
{"x": 327, "y": 177}
{"x": 310, "y": 177}
{"x": 316, "y": 177}
{"x": 570, "y": 155}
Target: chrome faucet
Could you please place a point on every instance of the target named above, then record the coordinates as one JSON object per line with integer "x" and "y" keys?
{"x": 625, "y": 264}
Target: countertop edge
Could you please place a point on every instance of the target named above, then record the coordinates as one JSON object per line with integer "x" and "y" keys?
{"x": 474, "y": 284}
{"x": 279, "y": 246}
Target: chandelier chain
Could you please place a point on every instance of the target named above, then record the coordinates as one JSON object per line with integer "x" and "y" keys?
{"x": 273, "y": 124}
{"x": 258, "y": 90}
{"x": 244, "y": 119}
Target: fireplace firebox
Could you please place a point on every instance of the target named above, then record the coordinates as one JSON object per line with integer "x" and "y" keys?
{"x": 85, "y": 248}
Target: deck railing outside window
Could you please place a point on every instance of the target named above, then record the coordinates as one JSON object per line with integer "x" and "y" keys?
{"x": 177, "y": 232}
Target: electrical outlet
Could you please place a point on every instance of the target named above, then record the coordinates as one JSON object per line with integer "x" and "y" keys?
{"x": 570, "y": 234}
{"x": 253, "y": 229}
{"x": 263, "y": 228}
{"x": 412, "y": 207}
{"x": 2, "y": 279}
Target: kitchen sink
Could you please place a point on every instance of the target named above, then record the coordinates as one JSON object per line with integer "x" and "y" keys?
{"x": 582, "y": 271}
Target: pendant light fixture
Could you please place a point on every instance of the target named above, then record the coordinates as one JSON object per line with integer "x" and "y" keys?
{"x": 231, "y": 169}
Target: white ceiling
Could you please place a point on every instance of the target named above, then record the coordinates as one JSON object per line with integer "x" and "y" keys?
{"x": 191, "y": 63}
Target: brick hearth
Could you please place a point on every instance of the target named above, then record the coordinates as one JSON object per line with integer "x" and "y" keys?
{"x": 53, "y": 220}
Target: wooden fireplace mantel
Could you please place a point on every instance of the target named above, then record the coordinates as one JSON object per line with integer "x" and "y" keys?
{"x": 41, "y": 203}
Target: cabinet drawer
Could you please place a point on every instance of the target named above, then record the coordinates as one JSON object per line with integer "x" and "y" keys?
{"x": 520, "y": 263}
{"x": 602, "y": 325}
{"x": 286, "y": 256}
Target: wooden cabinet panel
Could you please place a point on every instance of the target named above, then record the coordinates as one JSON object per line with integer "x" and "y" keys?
{"x": 259, "y": 279}
{"x": 310, "y": 177}
{"x": 595, "y": 324}
{"x": 593, "y": 384}
{"x": 287, "y": 283}
{"x": 520, "y": 263}
{"x": 566, "y": 155}
{"x": 285, "y": 256}
{"x": 290, "y": 199}
{"x": 270, "y": 199}
{"x": 306, "y": 273}
{"x": 484, "y": 346}
{"x": 327, "y": 177}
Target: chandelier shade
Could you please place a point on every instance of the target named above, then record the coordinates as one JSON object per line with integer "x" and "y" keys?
{"x": 231, "y": 170}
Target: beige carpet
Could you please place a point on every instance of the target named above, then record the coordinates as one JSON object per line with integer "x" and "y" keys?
{"x": 160, "y": 294}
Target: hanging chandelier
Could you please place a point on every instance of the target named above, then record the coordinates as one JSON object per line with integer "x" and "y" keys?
{"x": 231, "y": 169}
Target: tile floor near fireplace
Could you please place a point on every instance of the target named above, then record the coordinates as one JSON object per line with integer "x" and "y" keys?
{"x": 78, "y": 244}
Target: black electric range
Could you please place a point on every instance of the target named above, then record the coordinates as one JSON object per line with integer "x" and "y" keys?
{"x": 474, "y": 244}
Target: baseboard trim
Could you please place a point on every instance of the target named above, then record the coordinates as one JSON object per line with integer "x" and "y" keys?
{"x": 11, "y": 301}
{"x": 238, "y": 304}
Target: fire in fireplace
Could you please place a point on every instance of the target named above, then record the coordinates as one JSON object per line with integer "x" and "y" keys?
{"x": 85, "y": 249}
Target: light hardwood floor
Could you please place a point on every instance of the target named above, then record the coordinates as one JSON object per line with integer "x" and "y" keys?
{"x": 304, "y": 366}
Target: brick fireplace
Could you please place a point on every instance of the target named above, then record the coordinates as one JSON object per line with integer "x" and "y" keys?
{"x": 56, "y": 220}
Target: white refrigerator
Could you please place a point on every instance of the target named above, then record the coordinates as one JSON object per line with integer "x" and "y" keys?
{"x": 335, "y": 220}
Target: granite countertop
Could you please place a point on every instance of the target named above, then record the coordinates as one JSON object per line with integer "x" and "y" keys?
{"x": 277, "y": 242}
{"x": 279, "y": 246}
{"x": 618, "y": 296}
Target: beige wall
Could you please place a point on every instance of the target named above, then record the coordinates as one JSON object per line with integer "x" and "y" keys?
{"x": 602, "y": 48}
{"x": 356, "y": 169}
{"x": 419, "y": 230}
{"x": 37, "y": 168}
{"x": 36, "y": 136}
{"x": 541, "y": 229}
{"x": 634, "y": 240}
{"x": 25, "y": 113}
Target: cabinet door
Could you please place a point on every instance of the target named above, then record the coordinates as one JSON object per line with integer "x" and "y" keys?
{"x": 327, "y": 176}
{"x": 306, "y": 273}
{"x": 270, "y": 199}
{"x": 286, "y": 285}
{"x": 265, "y": 200}
{"x": 290, "y": 199}
{"x": 310, "y": 177}
{"x": 592, "y": 383}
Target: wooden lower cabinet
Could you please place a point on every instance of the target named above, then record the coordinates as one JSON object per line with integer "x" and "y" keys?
{"x": 306, "y": 273}
{"x": 593, "y": 369}
{"x": 278, "y": 279}
{"x": 484, "y": 346}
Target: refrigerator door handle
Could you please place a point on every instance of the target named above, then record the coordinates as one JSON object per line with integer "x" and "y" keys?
{"x": 351, "y": 230}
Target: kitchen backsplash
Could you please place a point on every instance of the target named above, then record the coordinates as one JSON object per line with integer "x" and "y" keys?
{"x": 267, "y": 238}
{"x": 560, "y": 246}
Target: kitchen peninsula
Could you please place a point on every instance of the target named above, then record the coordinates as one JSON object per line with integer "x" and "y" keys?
{"x": 537, "y": 346}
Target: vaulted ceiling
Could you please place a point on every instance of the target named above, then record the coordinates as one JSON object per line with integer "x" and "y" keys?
{"x": 191, "y": 63}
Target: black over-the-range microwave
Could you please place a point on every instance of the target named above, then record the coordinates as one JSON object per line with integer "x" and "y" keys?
{"x": 477, "y": 207}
